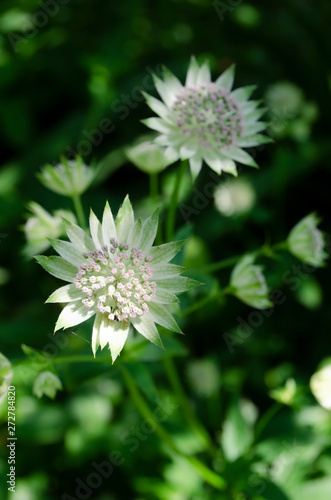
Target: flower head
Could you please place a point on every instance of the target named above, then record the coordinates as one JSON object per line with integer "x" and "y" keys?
{"x": 206, "y": 121}
{"x": 320, "y": 385}
{"x": 118, "y": 276}
{"x": 42, "y": 225}
{"x": 47, "y": 383}
{"x": 69, "y": 178}
{"x": 248, "y": 284}
{"x": 306, "y": 241}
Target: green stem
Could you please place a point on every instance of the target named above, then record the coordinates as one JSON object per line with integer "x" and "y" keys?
{"x": 171, "y": 219}
{"x": 265, "y": 250}
{"x": 265, "y": 419}
{"x": 209, "y": 476}
{"x": 196, "y": 426}
{"x": 79, "y": 210}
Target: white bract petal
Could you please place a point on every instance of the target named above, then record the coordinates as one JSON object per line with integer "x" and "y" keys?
{"x": 206, "y": 121}
{"x": 307, "y": 242}
{"x": 118, "y": 277}
{"x": 320, "y": 385}
{"x": 248, "y": 284}
{"x": 47, "y": 383}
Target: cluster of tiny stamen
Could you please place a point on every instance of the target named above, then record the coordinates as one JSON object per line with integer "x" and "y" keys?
{"x": 116, "y": 281}
{"x": 209, "y": 114}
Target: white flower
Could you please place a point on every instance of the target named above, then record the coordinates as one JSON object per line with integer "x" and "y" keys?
{"x": 118, "y": 276}
{"x": 320, "y": 385}
{"x": 147, "y": 156}
{"x": 234, "y": 197}
{"x": 47, "y": 383}
{"x": 248, "y": 284}
{"x": 306, "y": 241}
{"x": 43, "y": 225}
{"x": 205, "y": 120}
{"x": 69, "y": 178}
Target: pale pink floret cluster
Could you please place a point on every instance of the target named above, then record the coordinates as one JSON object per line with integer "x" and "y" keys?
{"x": 209, "y": 113}
{"x": 120, "y": 286}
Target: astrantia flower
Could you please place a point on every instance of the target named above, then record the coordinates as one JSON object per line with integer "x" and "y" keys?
{"x": 69, "y": 178}
{"x": 248, "y": 284}
{"x": 47, "y": 383}
{"x": 118, "y": 276}
{"x": 43, "y": 225}
{"x": 320, "y": 385}
{"x": 206, "y": 121}
{"x": 306, "y": 241}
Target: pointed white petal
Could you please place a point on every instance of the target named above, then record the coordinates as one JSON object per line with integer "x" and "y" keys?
{"x": 240, "y": 155}
{"x": 149, "y": 231}
{"x": 73, "y": 314}
{"x": 113, "y": 333}
{"x": 157, "y": 124}
{"x": 145, "y": 326}
{"x": 229, "y": 167}
{"x": 58, "y": 267}
{"x": 164, "y": 253}
{"x": 213, "y": 160}
{"x": 243, "y": 93}
{"x": 158, "y": 107}
{"x": 67, "y": 293}
{"x": 108, "y": 225}
{"x": 253, "y": 140}
{"x": 165, "y": 91}
{"x": 68, "y": 251}
{"x": 96, "y": 333}
{"x": 189, "y": 148}
{"x": 203, "y": 74}
{"x": 192, "y": 72}
{"x": 163, "y": 271}
{"x": 96, "y": 230}
{"x": 124, "y": 220}
{"x": 172, "y": 81}
{"x": 226, "y": 79}
{"x": 195, "y": 165}
{"x": 170, "y": 155}
{"x": 162, "y": 317}
{"x": 135, "y": 234}
{"x": 78, "y": 237}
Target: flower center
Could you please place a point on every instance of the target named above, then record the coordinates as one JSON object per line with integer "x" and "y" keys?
{"x": 116, "y": 281}
{"x": 209, "y": 114}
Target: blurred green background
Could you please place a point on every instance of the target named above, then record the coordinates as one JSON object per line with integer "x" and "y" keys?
{"x": 65, "y": 66}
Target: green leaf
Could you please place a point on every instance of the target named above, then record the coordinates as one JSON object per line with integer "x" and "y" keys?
{"x": 164, "y": 253}
{"x": 58, "y": 267}
{"x": 237, "y": 435}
